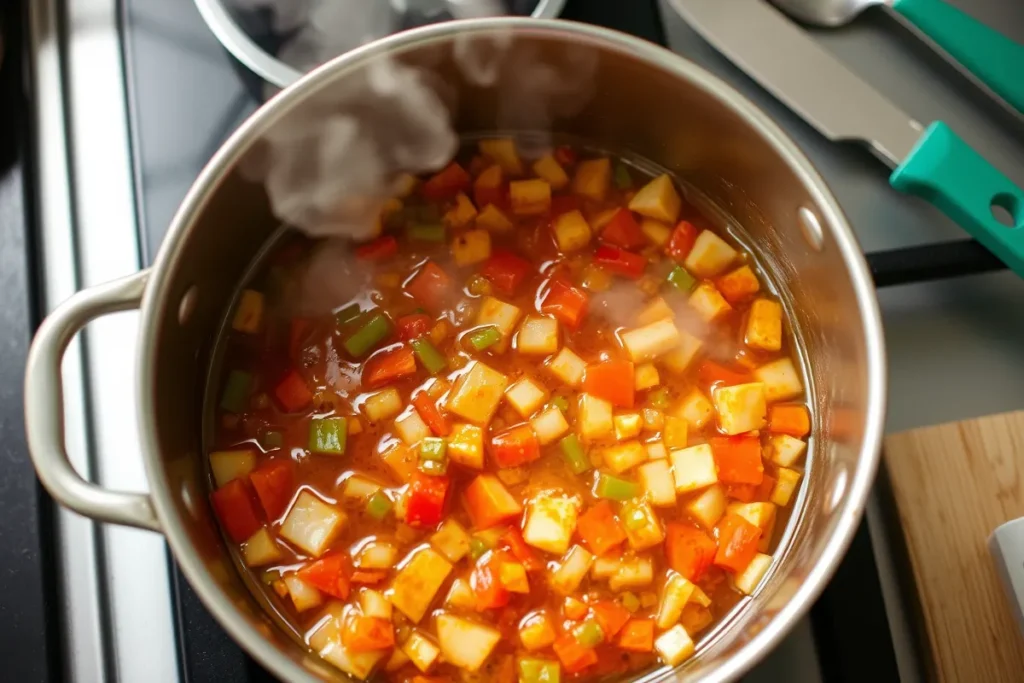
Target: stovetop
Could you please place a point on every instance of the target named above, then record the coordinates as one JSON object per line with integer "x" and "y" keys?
{"x": 134, "y": 96}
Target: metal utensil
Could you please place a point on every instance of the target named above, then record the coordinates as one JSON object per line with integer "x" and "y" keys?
{"x": 991, "y": 57}
{"x": 933, "y": 163}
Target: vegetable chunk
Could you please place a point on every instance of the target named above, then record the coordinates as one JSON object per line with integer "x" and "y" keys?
{"x": 550, "y": 522}
{"x": 464, "y": 643}
{"x": 312, "y": 524}
{"x": 477, "y": 393}
{"x": 418, "y": 581}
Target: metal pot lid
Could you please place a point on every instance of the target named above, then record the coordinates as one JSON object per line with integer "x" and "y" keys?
{"x": 280, "y": 40}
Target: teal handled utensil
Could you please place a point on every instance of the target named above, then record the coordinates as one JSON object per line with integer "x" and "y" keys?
{"x": 994, "y": 59}
{"x": 932, "y": 163}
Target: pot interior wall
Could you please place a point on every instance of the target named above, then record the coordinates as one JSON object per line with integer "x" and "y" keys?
{"x": 655, "y": 110}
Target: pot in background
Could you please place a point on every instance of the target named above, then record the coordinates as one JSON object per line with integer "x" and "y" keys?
{"x": 645, "y": 100}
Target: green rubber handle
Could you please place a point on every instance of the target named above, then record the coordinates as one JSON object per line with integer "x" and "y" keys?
{"x": 946, "y": 172}
{"x": 995, "y": 59}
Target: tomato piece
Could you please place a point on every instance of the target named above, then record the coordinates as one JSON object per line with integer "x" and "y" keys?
{"x": 610, "y": 615}
{"x": 489, "y": 503}
{"x": 427, "y": 409}
{"x": 527, "y": 556}
{"x": 637, "y": 635}
{"x": 363, "y": 634}
{"x": 620, "y": 261}
{"x": 737, "y": 543}
{"x": 564, "y": 302}
{"x": 689, "y": 550}
{"x": 738, "y": 459}
{"x": 574, "y": 657}
{"x": 515, "y": 446}
{"x": 425, "y": 500}
{"x": 431, "y": 286}
{"x": 599, "y": 529}
{"x": 236, "y": 510}
{"x": 414, "y": 325}
{"x": 612, "y": 380}
{"x": 379, "y": 249}
{"x": 385, "y": 367}
{"x": 330, "y": 574}
{"x": 292, "y": 393}
{"x": 274, "y": 483}
{"x": 505, "y": 271}
{"x": 447, "y": 183}
{"x": 486, "y": 584}
{"x": 623, "y": 231}
{"x": 681, "y": 241}
{"x": 711, "y": 374}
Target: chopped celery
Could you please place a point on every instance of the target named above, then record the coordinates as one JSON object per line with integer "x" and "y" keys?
{"x": 614, "y": 488}
{"x": 659, "y": 399}
{"x": 372, "y": 330}
{"x": 630, "y": 601}
{"x": 425, "y": 232}
{"x": 538, "y": 671}
{"x": 434, "y": 467}
{"x": 433, "y": 448}
{"x": 272, "y": 439}
{"x": 379, "y": 505}
{"x": 623, "y": 180}
{"x": 574, "y": 454}
{"x": 327, "y": 435}
{"x": 477, "y": 548}
{"x": 485, "y": 337}
{"x": 236, "y": 391}
{"x": 428, "y": 354}
{"x": 561, "y": 402}
{"x": 347, "y": 314}
{"x": 588, "y": 634}
{"x": 681, "y": 279}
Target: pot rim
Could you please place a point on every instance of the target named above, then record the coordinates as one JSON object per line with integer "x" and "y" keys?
{"x": 207, "y": 184}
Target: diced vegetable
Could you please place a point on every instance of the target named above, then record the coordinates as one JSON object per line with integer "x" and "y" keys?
{"x": 675, "y": 431}
{"x": 292, "y": 393}
{"x": 274, "y": 483}
{"x": 784, "y": 419}
{"x": 747, "y": 580}
{"x": 674, "y": 646}
{"x": 530, "y": 197}
{"x": 425, "y": 232}
{"x": 512, "y": 576}
{"x": 643, "y": 528}
{"x": 689, "y": 550}
{"x": 709, "y": 506}
{"x": 506, "y": 271}
{"x": 619, "y": 261}
{"x": 401, "y": 460}
{"x": 781, "y": 380}
{"x": 430, "y": 286}
{"x": 236, "y": 510}
{"x": 249, "y": 313}
{"x": 628, "y": 426}
{"x": 674, "y": 597}
{"x": 611, "y": 380}
{"x": 533, "y": 670}
{"x": 785, "y": 485}
{"x": 383, "y": 405}
{"x": 327, "y": 435}
{"x": 366, "y": 633}
{"x": 466, "y": 446}
{"x": 741, "y": 408}
{"x": 460, "y": 596}
{"x": 595, "y": 417}
{"x": 549, "y": 426}
{"x": 502, "y": 151}
{"x": 515, "y": 446}
{"x": 645, "y": 376}
{"x": 738, "y": 285}
{"x": 572, "y": 232}
{"x": 462, "y": 214}
{"x": 538, "y": 335}
{"x": 650, "y": 341}
{"x": 489, "y": 503}
{"x": 427, "y": 409}
{"x": 484, "y": 337}
{"x": 548, "y": 168}
{"x": 764, "y": 325}
{"x": 657, "y": 199}
{"x": 372, "y": 328}
{"x": 446, "y": 184}
{"x": 565, "y": 302}
{"x": 738, "y": 459}
{"x": 592, "y": 178}
{"x": 588, "y": 634}
{"x": 421, "y": 650}
{"x": 378, "y": 505}
{"x": 374, "y": 604}
{"x": 623, "y": 180}
{"x": 492, "y": 218}
{"x": 681, "y": 280}
{"x": 693, "y": 468}
{"x": 488, "y": 590}
{"x": 311, "y": 524}
{"x": 464, "y": 643}
{"x": 761, "y": 515}
{"x": 550, "y": 522}
{"x": 411, "y": 428}
{"x": 638, "y": 571}
{"x": 377, "y": 555}
{"x": 709, "y": 304}
{"x": 526, "y": 396}
{"x": 477, "y": 393}
{"x": 709, "y": 256}
{"x": 503, "y": 316}
{"x": 330, "y": 574}
{"x": 737, "y": 543}
{"x": 574, "y": 609}
{"x": 425, "y": 499}
{"x": 574, "y": 455}
{"x": 656, "y": 232}
{"x": 327, "y": 642}
{"x": 418, "y": 581}
{"x": 573, "y": 656}
{"x": 681, "y": 243}
{"x": 567, "y": 367}
{"x": 599, "y": 529}
{"x": 624, "y": 456}
{"x": 570, "y": 572}
{"x": 637, "y": 636}
{"x": 613, "y": 488}
{"x": 228, "y": 465}
{"x": 656, "y": 478}
{"x": 657, "y": 451}
{"x": 261, "y": 549}
{"x": 303, "y": 595}
{"x": 678, "y": 359}
{"x": 513, "y": 541}
{"x": 785, "y": 450}
{"x": 696, "y": 409}
{"x": 610, "y": 616}
{"x": 623, "y": 231}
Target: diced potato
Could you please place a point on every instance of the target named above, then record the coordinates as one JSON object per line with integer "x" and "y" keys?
{"x": 605, "y": 567}
{"x": 421, "y": 650}
{"x": 261, "y": 549}
{"x": 645, "y": 376}
{"x": 785, "y": 450}
{"x": 464, "y": 643}
{"x": 596, "y": 279}
{"x": 376, "y": 555}
{"x": 303, "y": 595}
{"x": 359, "y": 488}
{"x": 592, "y": 178}
{"x": 249, "y": 313}
{"x": 746, "y": 581}
{"x": 623, "y": 456}
{"x": 461, "y": 596}
{"x": 741, "y": 407}
{"x": 657, "y": 199}
{"x": 502, "y": 151}
{"x": 595, "y": 417}
{"x": 503, "y": 316}
{"x": 383, "y": 405}
{"x": 656, "y": 478}
{"x": 678, "y": 359}
{"x": 709, "y": 256}
{"x": 567, "y": 367}
{"x": 674, "y": 646}
{"x": 566, "y": 578}
{"x": 550, "y": 170}
{"x": 657, "y": 232}
{"x": 785, "y": 484}
{"x": 418, "y": 581}
{"x": 693, "y": 468}
{"x": 311, "y": 524}
{"x": 492, "y": 219}
{"x": 536, "y": 631}
{"x": 401, "y": 460}
{"x": 633, "y": 573}
{"x": 572, "y": 232}
{"x": 466, "y": 445}
{"x": 675, "y": 432}
{"x": 462, "y": 214}
{"x": 411, "y": 428}
{"x": 761, "y": 515}
{"x": 653, "y": 419}
{"x": 477, "y": 393}
{"x": 357, "y": 664}
{"x": 628, "y": 426}
{"x": 549, "y": 426}
{"x": 396, "y": 661}
{"x": 228, "y": 465}
{"x": 655, "y": 310}
{"x": 526, "y": 396}
{"x": 642, "y": 526}
{"x": 374, "y": 604}
{"x": 708, "y": 507}
{"x": 512, "y": 575}
{"x": 452, "y": 540}
{"x": 530, "y": 197}
{"x": 657, "y": 451}
{"x": 764, "y": 543}
{"x": 781, "y": 380}
{"x": 708, "y": 302}
{"x": 673, "y": 599}
{"x": 472, "y": 246}
{"x": 650, "y": 341}
{"x": 699, "y": 597}
{"x": 696, "y": 409}
{"x": 738, "y": 284}
{"x": 764, "y": 325}
{"x": 550, "y": 522}
{"x": 538, "y": 336}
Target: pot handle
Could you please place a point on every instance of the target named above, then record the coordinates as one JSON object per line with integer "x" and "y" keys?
{"x": 44, "y": 406}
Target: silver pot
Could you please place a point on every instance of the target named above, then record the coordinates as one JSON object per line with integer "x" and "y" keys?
{"x": 646, "y": 100}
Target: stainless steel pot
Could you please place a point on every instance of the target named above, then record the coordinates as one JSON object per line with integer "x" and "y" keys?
{"x": 647, "y": 100}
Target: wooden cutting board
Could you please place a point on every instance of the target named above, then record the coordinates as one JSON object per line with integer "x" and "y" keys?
{"x": 953, "y": 485}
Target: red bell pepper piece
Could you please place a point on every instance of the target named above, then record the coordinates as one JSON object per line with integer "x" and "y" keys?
{"x": 623, "y": 231}
{"x": 236, "y": 510}
{"x": 489, "y": 503}
{"x": 689, "y": 550}
{"x": 565, "y": 302}
{"x": 513, "y": 541}
{"x": 292, "y": 393}
{"x": 427, "y": 409}
{"x": 637, "y": 636}
{"x": 414, "y": 325}
{"x": 425, "y": 502}
{"x": 486, "y": 582}
{"x": 610, "y": 616}
{"x": 431, "y": 286}
{"x": 620, "y": 261}
{"x": 681, "y": 241}
{"x": 365, "y": 634}
{"x": 574, "y": 657}
{"x": 330, "y": 574}
{"x": 387, "y": 366}
{"x": 738, "y": 459}
{"x": 599, "y": 530}
{"x": 505, "y": 271}
{"x": 446, "y": 184}
{"x": 711, "y": 375}
{"x": 515, "y": 446}
{"x": 565, "y": 155}
{"x": 379, "y": 249}
{"x": 612, "y": 380}
{"x": 737, "y": 543}
{"x": 274, "y": 483}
